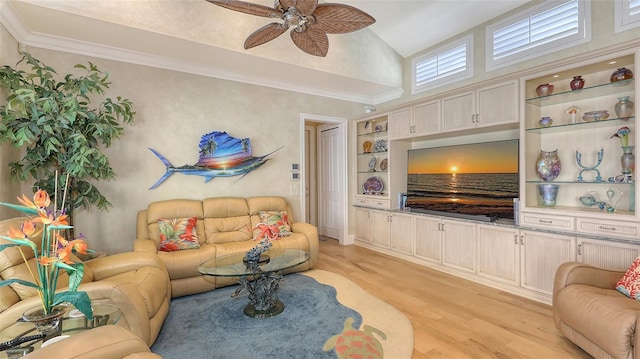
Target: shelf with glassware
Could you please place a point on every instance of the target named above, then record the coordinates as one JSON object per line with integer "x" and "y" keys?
{"x": 578, "y": 123}
{"x": 372, "y": 160}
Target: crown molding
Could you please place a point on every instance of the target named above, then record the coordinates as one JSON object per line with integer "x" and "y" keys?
{"x": 263, "y": 72}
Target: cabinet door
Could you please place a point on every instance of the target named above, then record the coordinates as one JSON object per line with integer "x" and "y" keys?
{"x": 402, "y": 233}
{"x": 499, "y": 253}
{"x": 541, "y": 255}
{"x": 427, "y": 118}
{"x": 380, "y": 228}
{"x": 498, "y": 104}
{"x": 459, "y": 245}
{"x": 363, "y": 229}
{"x": 428, "y": 238}
{"x": 459, "y": 111}
{"x": 607, "y": 255}
{"x": 401, "y": 124}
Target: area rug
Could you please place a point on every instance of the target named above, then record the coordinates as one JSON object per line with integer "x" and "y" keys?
{"x": 325, "y": 316}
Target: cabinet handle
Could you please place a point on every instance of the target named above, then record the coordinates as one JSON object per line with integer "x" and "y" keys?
{"x": 443, "y": 227}
{"x": 473, "y": 118}
{"x": 545, "y": 221}
{"x": 522, "y": 240}
{"x": 607, "y": 228}
{"x": 389, "y": 218}
{"x": 477, "y": 118}
{"x": 515, "y": 238}
{"x": 579, "y": 249}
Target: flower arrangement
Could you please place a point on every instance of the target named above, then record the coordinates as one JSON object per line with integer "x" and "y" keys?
{"x": 54, "y": 254}
{"x": 623, "y": 135}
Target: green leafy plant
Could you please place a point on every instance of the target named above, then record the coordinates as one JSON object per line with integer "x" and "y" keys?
{"x": 53, "y": 121}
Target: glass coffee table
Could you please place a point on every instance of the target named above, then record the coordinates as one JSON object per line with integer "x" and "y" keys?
{"x": 260, "y": 279}
{"x": 25, "y": 337}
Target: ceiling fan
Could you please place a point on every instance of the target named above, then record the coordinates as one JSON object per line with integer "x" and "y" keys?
{"x": 309, "y": 22}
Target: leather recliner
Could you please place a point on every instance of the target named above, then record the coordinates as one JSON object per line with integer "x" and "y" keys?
{"x": 590, "y": 312}
{"x": 137, "y": 283}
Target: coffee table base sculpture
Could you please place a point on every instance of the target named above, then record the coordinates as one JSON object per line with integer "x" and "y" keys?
{"x": 263, "y": 295}
{"x": 261, "y": 279}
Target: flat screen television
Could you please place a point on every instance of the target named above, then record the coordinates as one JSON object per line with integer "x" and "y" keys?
{"x": 477, "y": 180}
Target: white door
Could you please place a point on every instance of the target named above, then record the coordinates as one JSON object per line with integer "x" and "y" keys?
{"x": 331, "y": 158}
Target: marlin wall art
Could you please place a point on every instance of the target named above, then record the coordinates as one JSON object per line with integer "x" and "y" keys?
{"x": 220, "y": 156}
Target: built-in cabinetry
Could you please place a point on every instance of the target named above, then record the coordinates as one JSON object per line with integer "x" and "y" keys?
{"x": 485, "y": 106}
{"x": 521, "y": 258}
{"x": 595, "y": 202}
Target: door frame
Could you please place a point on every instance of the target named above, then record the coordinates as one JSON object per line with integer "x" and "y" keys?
{"x": 342, "y": 123}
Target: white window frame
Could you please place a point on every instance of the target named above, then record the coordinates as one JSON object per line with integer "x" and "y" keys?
{"x": 440, "y": 80}
{"x": 624, "y": 20}
{"x": 583, "y": 35}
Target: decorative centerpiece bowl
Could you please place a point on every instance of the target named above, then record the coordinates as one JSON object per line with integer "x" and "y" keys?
{"x": 591, "y": 116}
{"x": 545, "y": 121}
{"x": 544, "y": 89}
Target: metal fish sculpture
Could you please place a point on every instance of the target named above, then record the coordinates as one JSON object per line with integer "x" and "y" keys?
{"x": 221, "y": 155}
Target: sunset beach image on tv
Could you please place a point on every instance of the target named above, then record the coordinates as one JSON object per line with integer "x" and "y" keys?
{"x": 478, "y": 179}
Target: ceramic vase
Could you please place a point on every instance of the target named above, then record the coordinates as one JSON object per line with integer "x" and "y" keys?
{"x": 624, "y": 107}
{"x": 628, "y": 160}
{"x": 48, "y": 324}
{"x": 577, "y": 83}
{"x": 548, "y": 194}
{"x": 544, "y": 89}
{"x": 621, "y": 74}
{"x": 548, "y": 165}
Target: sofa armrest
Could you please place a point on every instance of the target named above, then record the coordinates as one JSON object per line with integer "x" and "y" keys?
{"x": 109, "y": 266}
{"x": 581, "y": 273}
{"x": 311, "y": 232}
{"x": 108, "y": 342}
{"x": 144, "y": 245}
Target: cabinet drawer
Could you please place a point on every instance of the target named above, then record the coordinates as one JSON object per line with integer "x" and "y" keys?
{"x": 373, "y": 202}
{"x": 618, "y": 229}
{"x": 542, "y": 221}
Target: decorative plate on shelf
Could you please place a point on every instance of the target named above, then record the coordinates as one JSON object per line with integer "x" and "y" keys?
{"x": 378, "y": 128}
{"x": 366, "y": 146}
{"x": 373, "y": 185}
{"x": 372, "y": 164}
{"x": 384, "y": 164}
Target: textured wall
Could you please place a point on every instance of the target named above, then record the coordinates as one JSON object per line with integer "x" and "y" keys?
{"x": 173, "y": 111}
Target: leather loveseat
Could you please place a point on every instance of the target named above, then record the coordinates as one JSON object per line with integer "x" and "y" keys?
{"x": 589, "y": 311}
{"x": 224, "y": 226}
{"x": 137, "y": 283}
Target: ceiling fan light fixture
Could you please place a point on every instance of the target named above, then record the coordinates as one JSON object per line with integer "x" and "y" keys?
{"x": 309, "y": 22}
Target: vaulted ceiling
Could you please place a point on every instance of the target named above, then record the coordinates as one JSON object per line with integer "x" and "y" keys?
{"x": 197, "y": 37}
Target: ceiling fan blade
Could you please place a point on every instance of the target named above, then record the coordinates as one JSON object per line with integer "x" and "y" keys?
{"x": 340, "y": 18}
{"x": 311, "y": 41}
{"x": 265, "y": 34}
{"x": 306, "y": 7}
{"x": 248, "y": 8}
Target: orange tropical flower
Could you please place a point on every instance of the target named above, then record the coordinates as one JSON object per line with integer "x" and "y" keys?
{"x": 41, "y": 199}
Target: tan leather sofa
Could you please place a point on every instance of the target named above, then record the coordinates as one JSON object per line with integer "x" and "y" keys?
{"x": 589, "y": 311}
{"x": 137, "y": 283}
{"x": 224, "y": 226}
{"x": 108, "y": 342}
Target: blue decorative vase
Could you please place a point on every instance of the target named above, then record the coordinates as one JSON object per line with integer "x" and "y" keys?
{"x": 548, "y": 165}
{"x": 548, "y": 194}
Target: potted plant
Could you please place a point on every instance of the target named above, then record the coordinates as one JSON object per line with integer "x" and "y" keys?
{"x": 52, "y": 120}
{"x": 52, "y": 254}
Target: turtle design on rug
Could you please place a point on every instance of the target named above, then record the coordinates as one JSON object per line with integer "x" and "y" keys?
{"x": 352, "y": 343}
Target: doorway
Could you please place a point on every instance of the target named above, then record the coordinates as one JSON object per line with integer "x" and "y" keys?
{"x": 324, "y": 174}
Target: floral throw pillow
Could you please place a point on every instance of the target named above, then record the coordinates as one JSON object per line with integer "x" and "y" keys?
{"x": 178, "y": 233}
{"x": 278, "y": 221}
{"x": 629, "y": 284}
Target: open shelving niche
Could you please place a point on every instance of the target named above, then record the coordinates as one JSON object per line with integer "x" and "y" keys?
{"x": 569, "y": 135}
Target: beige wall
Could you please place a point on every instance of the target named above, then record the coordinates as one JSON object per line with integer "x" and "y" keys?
{"x": 9, "y": 189}
{"x": 173, "y": 111}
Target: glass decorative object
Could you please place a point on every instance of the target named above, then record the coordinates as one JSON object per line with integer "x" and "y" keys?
{"x": 544, "y": 89}
{"x": 49, "y": 324}
{"x": 587, "y": 168}
{"x": 627, "y": 160}
{"x": 545, "y": 121}
{"x": 577, "y": 83}
{"x": 548, "y": 194}
{"x": 548, "y": 165}
{"x": 573, "y": 114}
{"x": 624, "y": 107}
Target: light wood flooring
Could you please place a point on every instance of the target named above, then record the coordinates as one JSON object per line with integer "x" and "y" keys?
{"x": 452, "y": 317}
